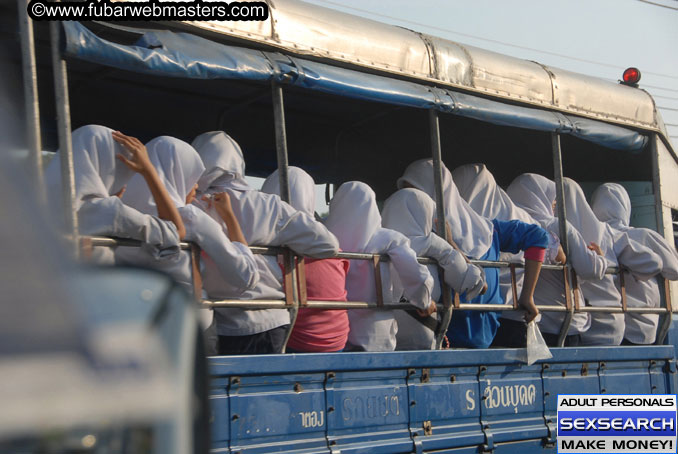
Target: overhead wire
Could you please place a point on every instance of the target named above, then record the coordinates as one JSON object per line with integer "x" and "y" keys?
{"x": 658, "y": 4}
{"x": 659, "y": 88}
{"x": 665, "y": 97}
{"x": 495, "y": 41}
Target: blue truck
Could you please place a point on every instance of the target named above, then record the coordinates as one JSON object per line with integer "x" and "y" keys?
{"x": 348, "y": 98}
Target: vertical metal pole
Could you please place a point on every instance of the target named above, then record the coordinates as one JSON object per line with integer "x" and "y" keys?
{"x": 281, "y": 141}
{"x": 64, "y": 129}
{"x": 34, "y": 140}
{"x": 281, "y": 153}
{"x": 562, "y": 226}
{"x": 656, "y": 184}
{"x": 665, "y": 290}
{"x": 446, "y": 314}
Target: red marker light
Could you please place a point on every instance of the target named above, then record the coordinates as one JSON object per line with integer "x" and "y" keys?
{"x": 631, "y": 76}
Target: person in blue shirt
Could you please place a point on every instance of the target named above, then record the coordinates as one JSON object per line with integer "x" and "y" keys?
{"x": 482, "y": 239}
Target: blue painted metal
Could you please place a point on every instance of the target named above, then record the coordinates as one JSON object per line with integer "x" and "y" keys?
{"x": 443, "y": 401}
{"x": 188, "y": 56}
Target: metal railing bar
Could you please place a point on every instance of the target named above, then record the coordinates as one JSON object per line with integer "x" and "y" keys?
{"x": 273, "y": 250}
{"x": 63, "y": 109}
{"x": 441, "y": 227}
{"x": 280, "y": 304}
{"x": 32, "y": 106}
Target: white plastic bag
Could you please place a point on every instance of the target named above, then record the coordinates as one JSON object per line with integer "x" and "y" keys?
{"x": 536, "y": 347}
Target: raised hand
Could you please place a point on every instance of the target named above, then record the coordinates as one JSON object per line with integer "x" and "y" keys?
{"x": 138, "y": 160}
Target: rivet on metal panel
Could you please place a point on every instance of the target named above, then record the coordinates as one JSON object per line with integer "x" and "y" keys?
{"x": 298, "y": 388}
{"x": 425, "y": 375}
{"x": 428, "y": 428}
{"x": 453, "y": 378}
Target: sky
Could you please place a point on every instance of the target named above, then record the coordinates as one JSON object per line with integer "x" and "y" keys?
{"x": 599, "y": 38}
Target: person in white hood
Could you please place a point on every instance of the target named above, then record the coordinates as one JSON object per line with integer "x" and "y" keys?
{"x": 103, "y": 162}
{"x": 411, "y": 212}
{"x": 266, "y": 221}
{"x": 315, "y": 330}
{"x": 478, "y": 187}
{"x": 606, "y": 329}
{"x": 536, "y": 194}
{"x": 482, "y": 239}
{"x": 225, "y": 256}
{"x": 612, "y": 205}
{"x": 354, "y": 219}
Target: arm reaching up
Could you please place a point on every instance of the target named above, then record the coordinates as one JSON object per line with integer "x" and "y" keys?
{"x": 222, "y": 204}
{"x": 140, "y": 163}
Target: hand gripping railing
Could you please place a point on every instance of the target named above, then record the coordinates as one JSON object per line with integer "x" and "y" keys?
{"x": 295, "y": 292}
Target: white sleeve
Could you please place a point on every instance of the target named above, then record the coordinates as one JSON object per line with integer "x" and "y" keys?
{"x": 459, "y": 275}
{"x": 233, "y": 260}
{"x": 638, "y": 259}
{"x": 111, "y": 217}
{"x": 587, "y": 264}
{"x": 666, "y": 251}
{"x": 552, "y": 249}
{"x": 304, "y": 235}
{"x": 417, "y": 282}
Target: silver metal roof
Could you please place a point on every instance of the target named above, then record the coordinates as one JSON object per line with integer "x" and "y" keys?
{"x": 306, "y": 29}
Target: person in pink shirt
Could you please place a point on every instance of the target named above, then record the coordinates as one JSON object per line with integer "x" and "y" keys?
{"x": 316, "y": 330}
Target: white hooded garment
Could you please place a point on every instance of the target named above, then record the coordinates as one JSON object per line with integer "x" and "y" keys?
{"x": 606, "y": 329}
{"x": 98, "y": 176}
{"x": 354, "y": 219}
{"x": 478, "y": 187}
{"x": 302, "y": 189}
{"x": 470, "y": 231}
{"x": 265, "y": 221}
{"x": 536, "y": 194}
{"x": 179, "y": 167}
{"x": 410, "y": 212}
{"x": 611, "y": 204}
